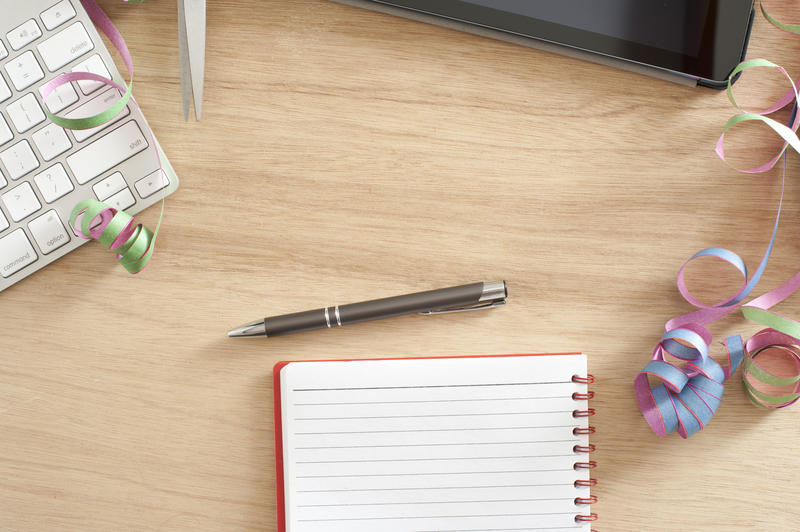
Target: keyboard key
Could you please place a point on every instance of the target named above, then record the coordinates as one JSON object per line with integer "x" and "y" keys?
{"x": 121, "y": 200}
{"x": 48, "y": 232}
{"x": 19, "y": 159}
{"x": 57, "y": 15}
{"x": 3, "y": 181}
{"x": 5, "y": 131}
{"x": 5, "y": 92}
{"x": 149, "y": 185}
{"x": 107, "y": 152}
{"x": 65, "y": 47}
{"x": 93, "y": 107}
{"x": 23, "y": 34}
{"x": 53, "y": 183}
{"x": 62, "y": 97}
{"x": 21, "y": 201}
{"x": 109, "y": 186}
{"x": 3, "y": 222}
{"x": 93, "y": 65}
{"x": 51, "y": 141}
{"x": 24, "y": 71}
{"x": 16, "y": 252}
{"x": 3, "y": 51}
{"x": 25, "y": 113}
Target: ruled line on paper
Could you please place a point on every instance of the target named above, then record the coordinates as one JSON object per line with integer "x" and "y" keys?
{"x": 434, "y": 415}
{"x": 505, "y": 529}
{"x": 495, "y": 384}
{"x": 434, "y": 401}
{"x": 435, "y": 459}
{"x": 449, "y": 444}
{"x": 437, "y": 488}
{"x": 432, "y": 502}
{"x": 439, "y": 473}
{"x": 436, "y": 430}
{"x": 434, "y": 517}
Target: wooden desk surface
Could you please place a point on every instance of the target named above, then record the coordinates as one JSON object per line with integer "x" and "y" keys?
{"x": 345, "y": 155}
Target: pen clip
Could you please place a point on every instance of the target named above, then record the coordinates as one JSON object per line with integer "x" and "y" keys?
{"x": 480, "y": 306}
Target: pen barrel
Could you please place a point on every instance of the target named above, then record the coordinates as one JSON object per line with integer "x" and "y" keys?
{"x": 297, "y": 322}
{"x": 376, "y": 309}
{"x": 388, "y": 307}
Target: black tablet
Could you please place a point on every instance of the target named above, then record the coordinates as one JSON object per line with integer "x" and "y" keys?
{"x": 698, "y": 39}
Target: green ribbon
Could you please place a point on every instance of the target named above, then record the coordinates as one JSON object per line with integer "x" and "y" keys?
{"x": 95, "y": 120}
{"x": 772, "y": 320}
{"x": 751, "y": 369}
{"x": 791, "y": 28}
{"x": 133, "y": 244}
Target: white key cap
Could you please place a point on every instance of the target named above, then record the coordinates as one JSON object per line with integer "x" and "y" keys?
{"x": 149, "y": 185}
{"x": 24, "y": 71}
{"x": 107, "y": 152}
{"x": 94, "y": 106}
{"x": 51, "y": 141}
{"x": 48, "y": 232}
{"x": 19, "y": 159}
{"x": 121, "y": 200}
{"x": 3, "y": 181}
{"x": 25, "y": 113}
{"x": 62, "y": 97}
{"x": 94, "y": 65}
{"x": 53, "y": 183}
{"x": 5, "y": 131}
{"x": 5, "y": 92}
{"x": 23, "y": 34}
{"x": 16, "y": 252}
{"x": 3, "y": 51}
{"x": 21, "y": 201}
{"x": 65, "y": 46}
{"x": 3, "y": 222}
{"x": 57, "y": 15}
{"x": 109, "y": 186}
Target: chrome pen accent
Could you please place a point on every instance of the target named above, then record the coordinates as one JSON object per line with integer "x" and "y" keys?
{"x": 251, "y": 329}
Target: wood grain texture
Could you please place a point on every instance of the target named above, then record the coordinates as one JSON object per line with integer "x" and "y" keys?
{"x": 345, "y": 155}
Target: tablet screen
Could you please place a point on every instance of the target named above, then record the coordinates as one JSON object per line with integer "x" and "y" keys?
{"x": 676, "y": 26}
{"x": 699, "y": 38}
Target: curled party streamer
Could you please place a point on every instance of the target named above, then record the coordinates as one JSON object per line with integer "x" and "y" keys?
{"x": 691, "y": 382}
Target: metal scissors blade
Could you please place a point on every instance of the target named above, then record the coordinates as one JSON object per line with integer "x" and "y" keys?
{"x": 192, "y": 53}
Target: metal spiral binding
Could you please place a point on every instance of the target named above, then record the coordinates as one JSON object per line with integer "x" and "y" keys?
{"x": 589, "y": 448}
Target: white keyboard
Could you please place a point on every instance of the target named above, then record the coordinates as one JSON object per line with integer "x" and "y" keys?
{"x": 46, "y": 170}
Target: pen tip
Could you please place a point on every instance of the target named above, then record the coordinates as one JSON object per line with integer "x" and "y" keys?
{"x": 251, "y": 329}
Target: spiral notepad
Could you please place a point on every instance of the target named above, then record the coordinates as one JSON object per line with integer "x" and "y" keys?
{"x": 460, "y": 444}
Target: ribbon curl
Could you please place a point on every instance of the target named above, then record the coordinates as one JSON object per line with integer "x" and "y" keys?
{"x": 764, "y": 388}
{"x": 689, "y": 396}
{"x": 780, "y": 338}
{"x": 134, "y": 243}
{"x": 116, "y": 230}
{"x": 104, "y": 24}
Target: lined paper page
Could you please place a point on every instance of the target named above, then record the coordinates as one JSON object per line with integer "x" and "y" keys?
{"x": 433, "y": 445}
